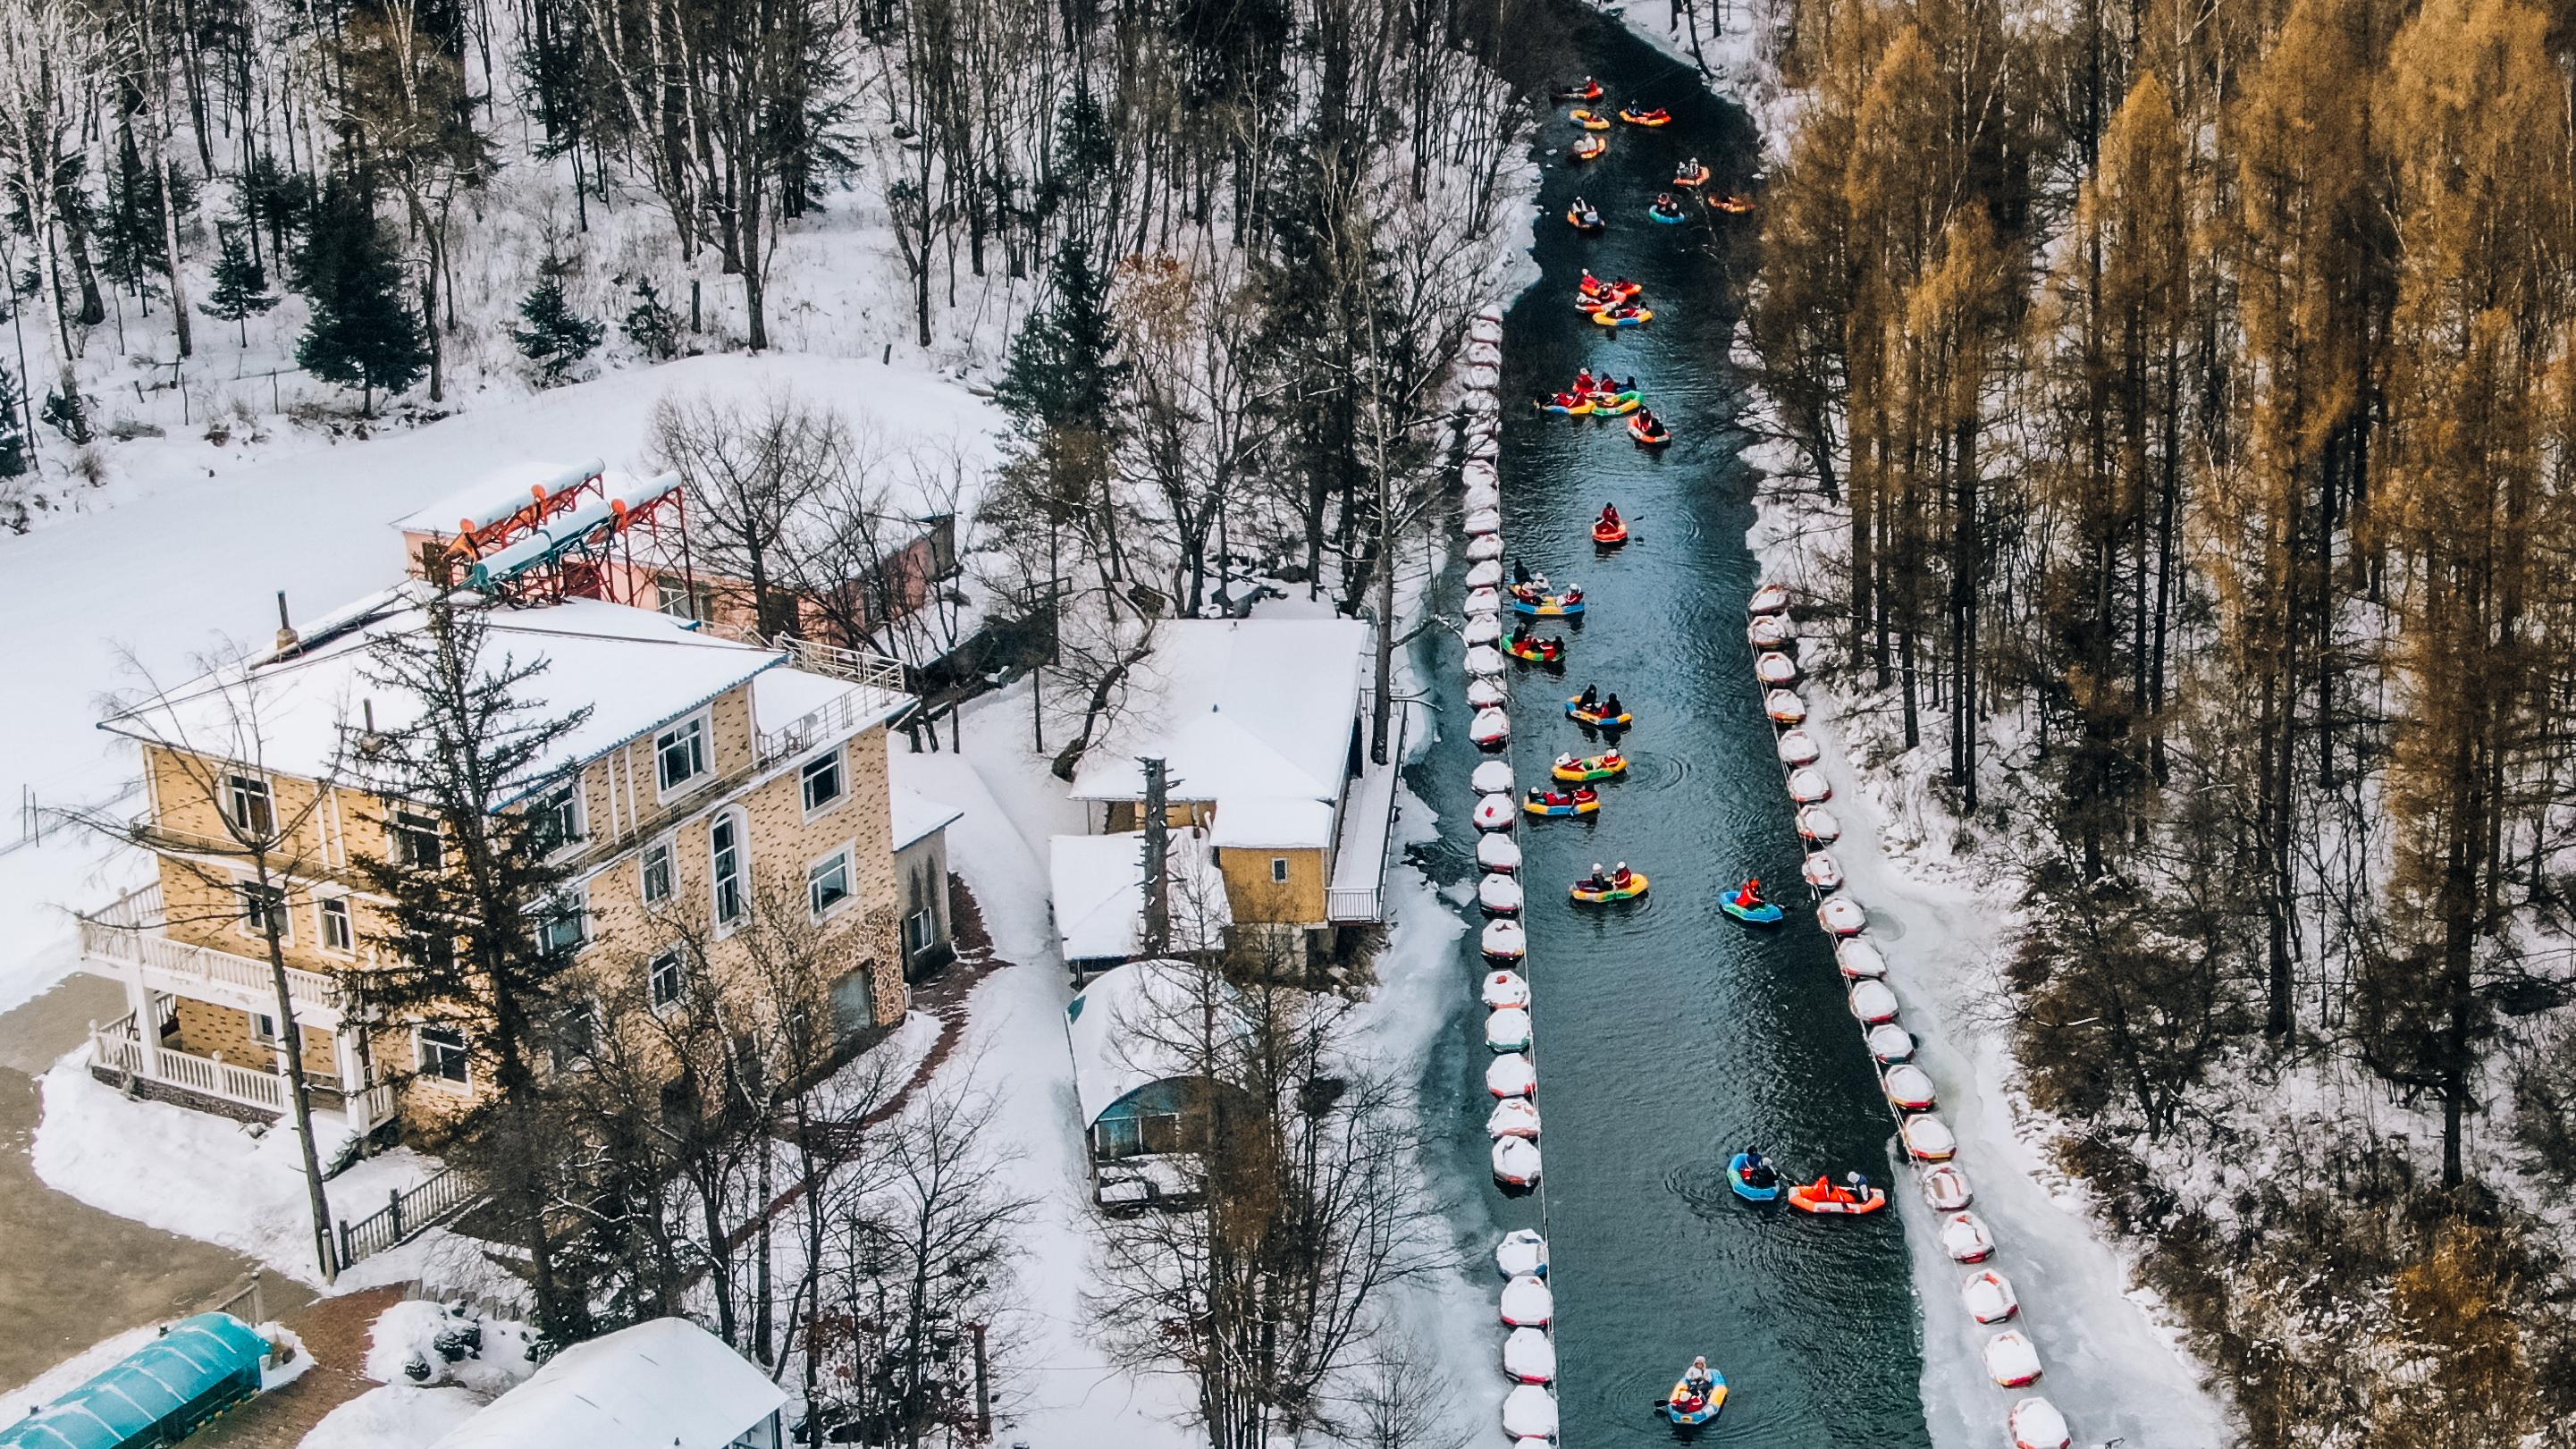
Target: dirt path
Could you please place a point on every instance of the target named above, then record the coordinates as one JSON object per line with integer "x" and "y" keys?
{"x": 74, "y": 1275}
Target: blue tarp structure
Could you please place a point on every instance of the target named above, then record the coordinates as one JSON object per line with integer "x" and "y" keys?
{"x": 159, "y": 1392}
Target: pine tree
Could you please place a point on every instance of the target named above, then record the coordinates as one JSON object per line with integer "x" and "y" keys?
{"x": 241, "y": 286}
{"x": 1062, "y": 374}
{"x": 130, "y": 236}
{"x": 651, "y": 324}
{"x": 363, "y": 333}
{"x": 556, "y": 337}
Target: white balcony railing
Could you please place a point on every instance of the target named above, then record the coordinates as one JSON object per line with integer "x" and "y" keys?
{"x": 128, "y": 935}
{"x": 118, "y": 1045}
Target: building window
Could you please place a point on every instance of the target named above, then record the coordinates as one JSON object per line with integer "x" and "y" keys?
{"x": 252, "y": 808}
{"x": 725, "y": 867}
{"x": 920, "y": 930}
{"x": 416, "y": 841}
{"x": 430, "y": 951}
{"x": 442, "y": 1053}
{"x": 560, "y": 926}
{"x": 339, "y": 936}
{"x": 665, "y": 980}
{"x": 1279, "y": 870}
{"x": 263, "y": 909}
{"x": 680, "y": 753}
{"x": 823, "y": 788}
{"x": 674, "y": 597}
{"x": 827, "y": 883}
{"x": 657, "y": 872}
{"x": 263, "y": 1028}
{"x": 575, "y": 1035}
{"x": 556, "y": 816}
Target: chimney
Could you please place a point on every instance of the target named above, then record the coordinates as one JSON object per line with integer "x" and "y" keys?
{"x": 287, "y": 639}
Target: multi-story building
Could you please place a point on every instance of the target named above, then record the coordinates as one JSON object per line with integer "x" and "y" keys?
{"x": 707, "y": 775}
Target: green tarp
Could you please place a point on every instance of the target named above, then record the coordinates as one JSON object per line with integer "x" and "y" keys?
{"x": 156, "y": 1394}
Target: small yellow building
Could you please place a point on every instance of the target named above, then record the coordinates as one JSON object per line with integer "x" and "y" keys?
{"x": 704, "y": 768}
{"x": 1261, "y": 725}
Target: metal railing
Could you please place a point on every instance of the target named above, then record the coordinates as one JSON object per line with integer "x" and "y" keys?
{"x": 1354, "y": 904}
{"x": 128, "y": 932}
{"x": 859, "y": 666}
{"x": 407, "y": 1212}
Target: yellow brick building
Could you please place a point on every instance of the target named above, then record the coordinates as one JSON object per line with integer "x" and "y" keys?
{"x": 705, "y": 772}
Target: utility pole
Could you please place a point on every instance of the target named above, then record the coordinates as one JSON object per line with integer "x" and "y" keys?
{"x": 983, "y": 1392}
{"x": 1158, "y": 882}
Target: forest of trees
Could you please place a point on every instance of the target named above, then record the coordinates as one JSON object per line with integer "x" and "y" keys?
{"x": 2192, "y": 388}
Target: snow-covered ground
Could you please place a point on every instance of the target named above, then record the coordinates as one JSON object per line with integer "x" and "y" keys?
{"x": 199, "y": 1175}
{"x": 175, "y": 569}
{"x": 394, "y": 1416}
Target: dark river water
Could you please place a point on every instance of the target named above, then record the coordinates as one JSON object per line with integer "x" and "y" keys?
{"x": 1668, "y": 1036}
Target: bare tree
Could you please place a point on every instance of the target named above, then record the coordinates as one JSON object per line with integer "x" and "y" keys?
{"x": 753, "y": 469}
{"x": 51, "y": 53}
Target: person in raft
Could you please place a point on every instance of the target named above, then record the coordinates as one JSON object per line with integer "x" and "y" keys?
{"x": 1573, "y": 594}
{"x": 1757, "y": 1172}
{"x": 1609, "y": 516}
{"x": 1610, "y": 707}
{"x": 1646, "y": 421}
{"x": 1750, "y": 897}
{"x": 1588, "y": 700}
{"x": 1565, "y": 759}
{"x": 1857, "y": 1184}
{"x": 1599, "y": 880}
{"x": 1697, "y": 1378}
{"x": 1620, "y": 875}
{"x": 1583, "y": 380}
{"x": 1520, "y": 571}
{"x": 1610, "y": 758}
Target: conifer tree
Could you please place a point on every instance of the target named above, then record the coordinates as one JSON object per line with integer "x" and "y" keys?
{"x": 651, "y": 324}
{"x": 553, "y": 335}
{"x": 363, "y": 333}
{"x": 241, "y": 286}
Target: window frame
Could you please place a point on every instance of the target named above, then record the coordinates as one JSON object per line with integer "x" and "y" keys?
{"x": 676, "y": 962}
{"x": 732, "y": 880}
{"x": 1278, "y": 870}
{"x": 461, "y": 1052}
{"x": 571, "y": 902}
{"x": 847, "y": 855}
{"x": 699, "y": 730}
{"x": 668, "y": 852}
{"x": 246, "y": 917}
{"x": 835, "y": 763}
{"x": 563, "y": 801}
{"x": 408, "y": 828}
{"x": 324, "y": 908}
{"x": 239, "y": 789}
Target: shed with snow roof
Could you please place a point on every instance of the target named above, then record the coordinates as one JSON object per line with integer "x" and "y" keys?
{"x": 920, "y": 828}
{"x": 1142, "y": 1036}
{"x": 1097, "y": 886}
{"x": 663, "y": 1384}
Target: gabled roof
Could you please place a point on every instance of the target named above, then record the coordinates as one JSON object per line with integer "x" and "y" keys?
{"x": 637, "y": 670}
{"x": 917, "y": 816}
{"x": 663, "y": 1384}
{"x": 1098, "y": 885}
{"x": 1236, "y": 708}
{"x": 1127, "y": 1030}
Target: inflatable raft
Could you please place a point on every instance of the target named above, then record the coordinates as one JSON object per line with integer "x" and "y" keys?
{"x": 1529, "y": 1412}
{"x": 1505, "y": 941}
{"x": 2036, "y": 1424}
{"x": 1965, "y": 1239}
{"x": 1750, "y": 1192}
{"x": 1842, "y": 916}
{"x": 1908, "y": 1086}
{"x": 1616, "y": 404}
{"x": 1858, "y": 959}
{"x": 1499, "y": 853}
{"x": 1516, "y": 1161}
{"x": 1575, "y": 711}
{"x": 1689, "y": 1408}
{"x": 1766, "y": 914}
{"x": 1549, "y": 606}
{"x": 1768, "y": 599}
{"x": 1656, "y": 117}
{"x": 1494, "y": 812}
{"x": 1808, "y": 786}
{"x": 1775, "y": 668}
{"x": 1872, "y": 1002}
{"x": 1482, "y": 603}
{"x": 1945, "y": 1189}
{"x": 1503, "y": 989}
{"x": 1513, "y": 1117}
{"x": 1818, "y": 825}
{"x": 1588, "y": 120}
{"x": 1588, "y": 148}
{"x": 1602, "y": 766}
{"x": 1491, "y": 729}
{"x": 2010, "y": 1360}
{"x": 1486, "y": 660}
{"x": 1590, "y": 895}
{"x": 1836, "y": 1201}
{"x": 1610, "y": 535}
{"x": 1526, "y": 1303}
{"x": 1507, "y": 1030}
{"x": 1646, "y": 436}
{"x": 1767, "y": 631}
{"x": 1590, "y": 90}
{"x": 1689, "y": 176}
{"x": 1529, "y": 1357}
{"x": 1511, "y": 1076}
{"x": 1537, "y": 651}
{"x": 1500, "y": 895}
{"x": 1797, "y": 747}
{"x": 1489, "y": 547}
{"x": 1668, "y": 218}
{"x": 1584, "y": 801}
{"x": 1888, "y": 1042}
{"x": 1487, "y": 630}
{"x": 1486, "y": 694}
{"x": 1624, "y": 316}
{"x": 1929, "y": 1138}
{"x": 1492, "y": 777}
{"x": 1822, "y": 871}
{"x": 1783, "y": 705}
{"x": 1989, "y": 1296}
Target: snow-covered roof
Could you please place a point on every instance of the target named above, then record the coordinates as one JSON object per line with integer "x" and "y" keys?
{"x": 663, "y": 1384}
{"x": 1237, "y": 708}
{"x": 917, "y": 816}
{"x": 1098, "y": 885}
{"x": 635, "y": 669}
{"x": 495, "y": 496}
{"x": 1121, "y": 1028}
{"x": 1274, "y": 821}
